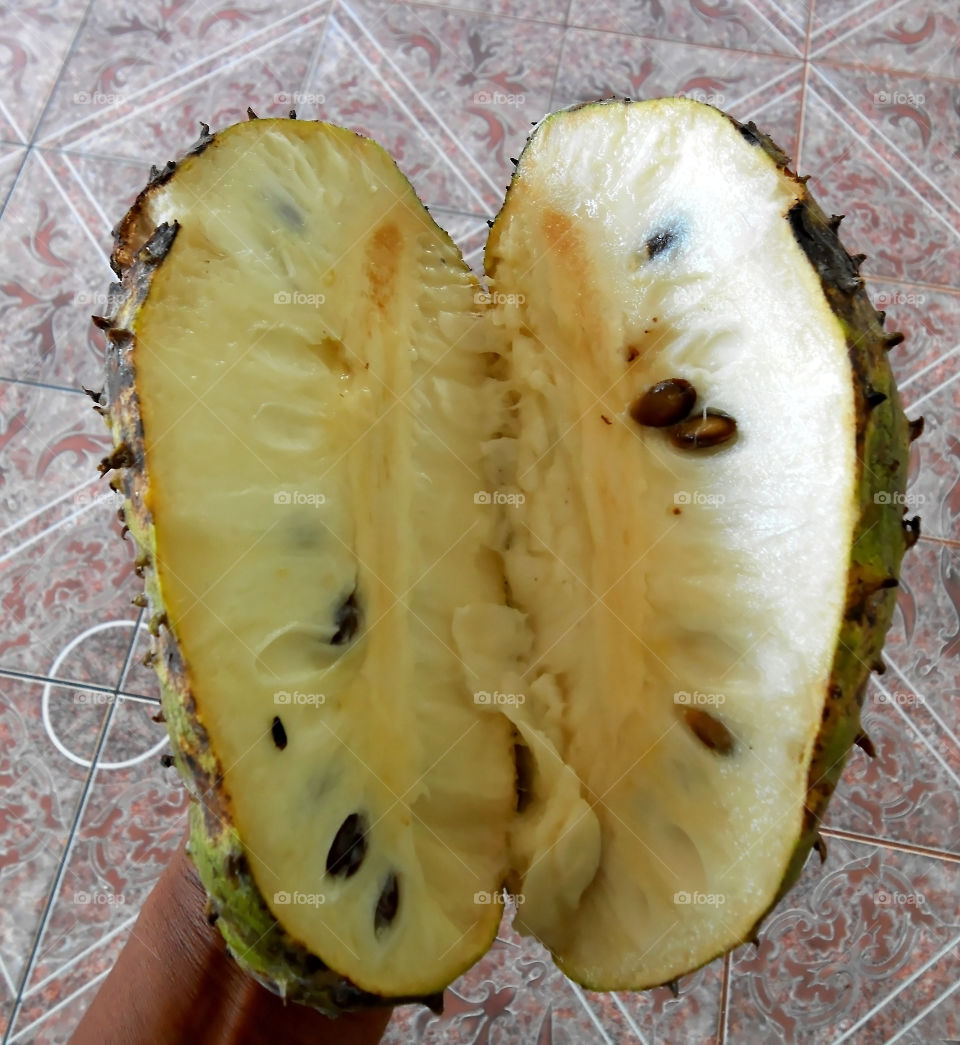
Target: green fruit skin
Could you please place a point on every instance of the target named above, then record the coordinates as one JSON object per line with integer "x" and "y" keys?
{"x": 255, "y": 938}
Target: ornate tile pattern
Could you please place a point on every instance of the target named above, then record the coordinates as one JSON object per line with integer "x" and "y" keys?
{"x": 864, "y": 95}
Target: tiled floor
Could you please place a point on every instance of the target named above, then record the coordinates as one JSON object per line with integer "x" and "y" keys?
{"x": 865, "y": 94}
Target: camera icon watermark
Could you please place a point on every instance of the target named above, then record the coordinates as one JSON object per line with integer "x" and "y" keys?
{"x": 499, "y": 497}
{"x": 496, "y": 698}
{"x": 299, "y": 497}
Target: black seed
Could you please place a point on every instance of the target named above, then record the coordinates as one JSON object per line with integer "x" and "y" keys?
{"x": 523, "y": 764}
{"x": 349, "y": 847}
{"x": 388, "y": 903}
{"x": 666, "y": 403}
{"x": 278, "y": 733}
{"x": 710, "y": 731}
{"x": 660, "y": 242}
{"x": 347, "y": 621}
{"x": 711, "y": 428}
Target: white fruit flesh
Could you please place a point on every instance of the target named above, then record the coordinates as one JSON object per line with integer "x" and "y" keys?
{"x": 313, "y": 390}
{"x": 650, "y": 572}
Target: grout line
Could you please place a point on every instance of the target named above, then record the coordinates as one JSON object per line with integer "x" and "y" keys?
{"x": 724, "y": 1000}
{"x": 30, "y": 383}
{"x": 804, "y": 83}
{"x": 30, "y": 541}
{"x": 884, "y": 10}
{"x": 924, "y": 1012}
{"x": 60, "y": 1004}
{"x": 631, "y": 1022}
{"x": 934, "y": 391}
{"x": 50, "y": 504}
{"x": 898, "y": 990}
{"x": 773, "y": 25}
{"x": 933, "y": 751}
{"x": 45, "y": 680}
{"x": 593, "y": 1016}
{"x": 60, "y": 872}
{"x": 926, "y": 704}
{"x": 71, "y": 206}
{"x": 919, "y": 373}
{"x": 89, "y": 949}
{"x": 849, "y": 14}
{"x": 886, "y": 843}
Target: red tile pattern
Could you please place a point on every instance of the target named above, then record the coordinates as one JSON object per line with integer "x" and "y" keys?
{"x": 863, "y": 94}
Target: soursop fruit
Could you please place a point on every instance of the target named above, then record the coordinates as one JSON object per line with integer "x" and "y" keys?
{"x": 569, "y": 588}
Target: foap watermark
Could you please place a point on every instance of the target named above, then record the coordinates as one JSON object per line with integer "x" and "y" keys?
{"x": 885, "y": 898}
{"x": 902, "y": 698}
{"x": 498, "y": 98}
{"x": 706, "y": 97}
{"x": 97, "y": 98}
{"x": 299, "y": 98}
{"x": 898, "y": 98}
{"x": 483, "y": 696}
{"x": 700, "y": 899}
{"x": 499, "y": 497}
{"x": 295, "y": 899}
{"x": 886, "y": 298}
{"x": 90, "y": 299}
{"x": 485, "y": 899}
{"x": 285, "y": 696}
{"x": 907, "y": 500}
{"x": 91, "y": 495}
{"x": 298, "y": 297}
{"x": 99, "y": 899}
{"x": 711, "y": 500}
{"x": 698, "y": 699}
{"x": 299, "y": 497}
{"x": 496, "y": 297}
{"x": 91, "y": 697}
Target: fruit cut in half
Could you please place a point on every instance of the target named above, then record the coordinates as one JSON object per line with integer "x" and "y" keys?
{"x": 571, "y": 588}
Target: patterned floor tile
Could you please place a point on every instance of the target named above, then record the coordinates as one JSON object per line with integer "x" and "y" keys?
{"x": 61, "y": 582}
{"x": 11, "y": 158}
{"x": 134, "y": 818}
{"x": 923, "y": 646}
{"x": 131, "y": 55}
{"x": 603, "y": 65}
{"x": 910, "y": 792}
{"x": 48, "y": 734}
{"x": 905, "y": 234}
{"x": 35, "y": 39}
{"x": 850, "y": 935}
{"x": 909, "y": 36}
{"x": 733, "y": 24}
{"x": 52, "y": 268}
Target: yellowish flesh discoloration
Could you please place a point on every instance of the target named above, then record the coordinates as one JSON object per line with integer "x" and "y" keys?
{"x": 321, "y": 372}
